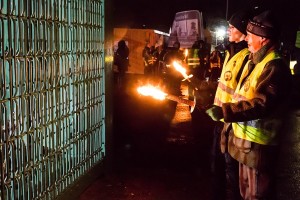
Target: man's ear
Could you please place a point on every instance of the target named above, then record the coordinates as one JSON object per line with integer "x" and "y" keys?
{"x": 263, "y": 40}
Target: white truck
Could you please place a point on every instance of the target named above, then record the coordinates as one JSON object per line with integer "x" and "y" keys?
{"x": 187, "y": 28}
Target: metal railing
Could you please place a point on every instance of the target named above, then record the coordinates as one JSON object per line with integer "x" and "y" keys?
{"x": 51, "y": 95}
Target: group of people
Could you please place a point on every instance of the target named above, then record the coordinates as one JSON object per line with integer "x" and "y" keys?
{"x": 249, "y": 109}
{"x": 201, "y": 63}
{"x": 249, "y": 106}
{"x": 153, "y": 58}
{"x": 158, "y": 64}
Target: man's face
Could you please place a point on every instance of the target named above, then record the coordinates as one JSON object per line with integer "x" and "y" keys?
{"x": 234, "y": 35}
{"x": 254, "y": 42}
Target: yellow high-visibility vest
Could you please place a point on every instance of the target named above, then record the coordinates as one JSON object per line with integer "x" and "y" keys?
{"x": 194, "y": 60}
{"x": 261, "y": 131}
{"x": 227, "y": 82}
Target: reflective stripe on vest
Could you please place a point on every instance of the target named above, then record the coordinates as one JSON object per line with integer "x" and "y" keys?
{"x": 261, "y": 131}
{"x": 194, "y": 60}
{"x": 227, "y": 83}
{"x": 152, "y": 60}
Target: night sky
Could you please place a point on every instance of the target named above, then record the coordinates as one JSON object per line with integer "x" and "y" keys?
{"x": 159, "y": 14}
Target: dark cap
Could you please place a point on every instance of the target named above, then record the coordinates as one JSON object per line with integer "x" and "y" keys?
{"x": 240, "y": 20}
{"x": 264, "y": 25}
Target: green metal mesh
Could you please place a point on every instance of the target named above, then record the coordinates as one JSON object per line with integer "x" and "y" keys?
{"x": 51, "y": 95}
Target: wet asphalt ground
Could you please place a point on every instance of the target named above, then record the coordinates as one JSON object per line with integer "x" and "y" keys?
{"x": 162, "y": 151}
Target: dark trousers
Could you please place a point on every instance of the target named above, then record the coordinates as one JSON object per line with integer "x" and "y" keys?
{"x": 120, "y": 78}
{"x": 225, "y": 171}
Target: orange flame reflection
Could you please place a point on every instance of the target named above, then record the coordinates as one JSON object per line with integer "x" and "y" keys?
{"x": 152, "y": 91}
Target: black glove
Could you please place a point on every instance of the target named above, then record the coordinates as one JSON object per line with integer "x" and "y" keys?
{"x": 215, "y": 112}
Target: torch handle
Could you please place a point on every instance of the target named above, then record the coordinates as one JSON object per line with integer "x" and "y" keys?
{"x": 181, "y": 100}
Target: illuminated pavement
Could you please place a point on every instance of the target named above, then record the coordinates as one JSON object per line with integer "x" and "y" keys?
{"x": 162, "y": 153}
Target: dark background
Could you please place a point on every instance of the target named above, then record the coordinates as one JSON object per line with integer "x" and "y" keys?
{"x": 159, "y": 14}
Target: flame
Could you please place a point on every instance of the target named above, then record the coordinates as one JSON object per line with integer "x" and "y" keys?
{"x": 152, "y": 91}
{"x": 179, "y": 68}
{"x": 186, "y": 52}
{"x": 182, "y": 70}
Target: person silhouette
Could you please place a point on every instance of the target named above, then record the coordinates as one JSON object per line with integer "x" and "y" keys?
{"x": 121, "y": 60}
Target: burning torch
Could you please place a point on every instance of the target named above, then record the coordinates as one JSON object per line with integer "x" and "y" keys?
{"x": 182, "y": 70}
{"x": 193, "y": 81}
{"x": 156, "y": 93}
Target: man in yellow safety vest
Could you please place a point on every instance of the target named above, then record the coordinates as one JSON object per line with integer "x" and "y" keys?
{"x": 236, "y": 56}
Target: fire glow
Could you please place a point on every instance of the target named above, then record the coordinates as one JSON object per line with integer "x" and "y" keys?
{"x": 152, "y": 91}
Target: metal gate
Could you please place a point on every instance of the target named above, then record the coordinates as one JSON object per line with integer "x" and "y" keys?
{"x": 51, "y": 94}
